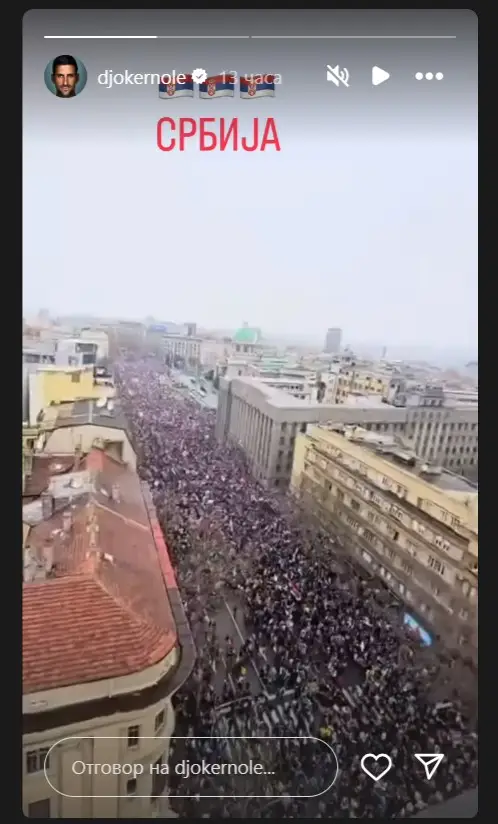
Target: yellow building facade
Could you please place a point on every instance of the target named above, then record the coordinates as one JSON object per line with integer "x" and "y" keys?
{"x": 401, "y": 522}
{"x": 53, "y": 385}
{"x": 360, "y": 382}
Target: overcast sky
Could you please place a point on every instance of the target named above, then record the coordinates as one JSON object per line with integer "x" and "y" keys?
{"x": 364, "y": 226}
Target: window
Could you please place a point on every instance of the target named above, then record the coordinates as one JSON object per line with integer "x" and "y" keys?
{"x": 133, "y": 736}
{"x": 39, "y": 809}
{"x": 303, "y": 427}
{"x": 35, "y": 760}
{"x": 159, "y": 721}
{"x": 355, "y": 505}
{"x": 437, "y": 566}
{"x": 75, "y": 377}
{"x": 131, "y": 786}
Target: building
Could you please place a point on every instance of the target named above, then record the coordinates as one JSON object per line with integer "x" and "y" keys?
{"x": 247, "y": 342}
{"x": 413, "y": 525}
{"x": 357, "y": 380}
{"x": 105, "y": 642}
{"x": 214, "y": 354}
{"x": 442, "y": 430}
{"x": 183, "y": 351}
{"x": 76, "y": 427}
{"x": 333, "y": 340}
{"x": 125, "y": 334}
{"x": 264, "y": 420}
{"x": 45, "y": 386}
{"x": 30, "y": 442}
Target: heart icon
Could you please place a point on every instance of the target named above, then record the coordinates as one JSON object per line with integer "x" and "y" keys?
{"x": 376, "y": 758}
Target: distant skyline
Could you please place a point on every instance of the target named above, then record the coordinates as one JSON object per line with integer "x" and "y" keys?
{"x": 440, "y": 356}
{"x": 367, "y": 218}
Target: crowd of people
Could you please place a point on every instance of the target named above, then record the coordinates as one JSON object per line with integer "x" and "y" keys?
{"x": 308, "y": 651}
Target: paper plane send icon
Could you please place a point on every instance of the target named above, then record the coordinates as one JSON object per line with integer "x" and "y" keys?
{"x": 430, "y": 762}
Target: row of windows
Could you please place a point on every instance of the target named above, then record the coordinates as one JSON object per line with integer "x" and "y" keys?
{"x": 387, "y": 483}
{"x": 393, "y": 534}
{"x": 293, "y": 427}
{"x": 39, "y": 759}
{"x": 462, "y": 426}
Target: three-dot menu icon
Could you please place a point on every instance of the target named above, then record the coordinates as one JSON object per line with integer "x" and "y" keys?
{"x": 429, "y": 76}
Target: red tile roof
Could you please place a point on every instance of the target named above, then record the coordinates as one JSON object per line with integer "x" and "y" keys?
{"x": 106, "y": 612}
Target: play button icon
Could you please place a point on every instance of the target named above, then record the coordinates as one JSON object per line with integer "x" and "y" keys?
{"x": 379, "y": 76}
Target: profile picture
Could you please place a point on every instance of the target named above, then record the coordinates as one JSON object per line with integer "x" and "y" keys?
{"x": 65, "y": 76}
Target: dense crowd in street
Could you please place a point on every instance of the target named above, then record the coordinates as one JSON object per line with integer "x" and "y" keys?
{"x": 308, "y": 651}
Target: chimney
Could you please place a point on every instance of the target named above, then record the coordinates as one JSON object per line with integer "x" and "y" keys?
{"x": 48, "y": 557}
{"x": 93, "y": 531}
{"x": 67, "y": 520}
{"x": 92, "y": 526}
{"x": 115, "y": 493}
{"x": 47, "y": 503}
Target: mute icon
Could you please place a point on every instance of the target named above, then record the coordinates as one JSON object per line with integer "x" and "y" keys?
{"x": 430, "y": 762}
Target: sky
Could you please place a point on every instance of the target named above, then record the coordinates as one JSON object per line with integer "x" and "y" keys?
{"x": 366, "y": 219}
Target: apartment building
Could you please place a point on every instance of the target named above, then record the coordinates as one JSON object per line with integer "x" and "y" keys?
{"x": 264, "y": 421}
{"x": 411, "y": 524}
{"x": 356, "y": 380}
{"x": 105, "y": 643}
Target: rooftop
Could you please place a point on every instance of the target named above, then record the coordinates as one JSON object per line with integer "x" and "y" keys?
{"x": 97, "y": 412}
{"x": 395, "y": 452}
{"x": 95, "y": 602}
{"x": 44, "y": 467}
{"x": 363, "y": 401}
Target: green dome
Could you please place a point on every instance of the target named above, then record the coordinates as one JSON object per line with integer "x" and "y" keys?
{"x": 246, "y": 335}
